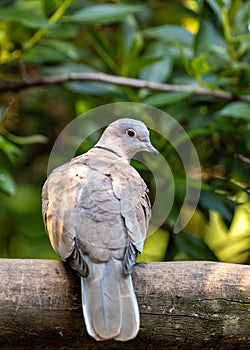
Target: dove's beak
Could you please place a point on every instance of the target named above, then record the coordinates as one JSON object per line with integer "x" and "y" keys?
{"x": 151, "y": 149}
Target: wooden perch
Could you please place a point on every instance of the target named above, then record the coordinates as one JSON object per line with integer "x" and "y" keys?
{"x": 183, "y": 305}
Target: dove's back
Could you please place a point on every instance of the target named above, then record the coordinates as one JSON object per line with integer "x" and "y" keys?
{"x": 96, "y": 213}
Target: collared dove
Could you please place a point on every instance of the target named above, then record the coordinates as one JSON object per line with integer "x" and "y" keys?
{"x": 96, "y": 212}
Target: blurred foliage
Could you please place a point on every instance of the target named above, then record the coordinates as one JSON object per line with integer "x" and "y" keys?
{"x": 203, "y": 43}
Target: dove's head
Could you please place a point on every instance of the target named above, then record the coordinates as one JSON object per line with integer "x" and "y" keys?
{"x": 126, "y": 137}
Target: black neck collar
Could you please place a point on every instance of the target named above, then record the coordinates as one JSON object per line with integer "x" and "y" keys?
{"x": 109, "y": 150}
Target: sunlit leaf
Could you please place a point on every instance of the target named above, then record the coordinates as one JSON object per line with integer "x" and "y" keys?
{"x": 155, "y": 247}
{"x": 200, "y": 66}
{"x": 218, "y": 202}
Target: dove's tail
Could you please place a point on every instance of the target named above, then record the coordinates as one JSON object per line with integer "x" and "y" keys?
{"x": 109, "y": 303}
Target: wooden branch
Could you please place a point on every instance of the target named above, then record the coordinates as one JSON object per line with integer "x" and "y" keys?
{"x": 121, "y": 81}
{"x": 243, "y": 159}
{"x": 183, "y": 305}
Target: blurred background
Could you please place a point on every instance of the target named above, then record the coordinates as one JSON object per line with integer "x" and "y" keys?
{"x": 197, "y": 44}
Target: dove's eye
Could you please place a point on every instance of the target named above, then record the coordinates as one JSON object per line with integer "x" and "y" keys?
{"x": 131, "y": 132}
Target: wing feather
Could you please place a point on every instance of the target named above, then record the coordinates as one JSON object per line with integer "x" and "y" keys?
{"x": 60, "y": 195}
{"x": 135, "y": 209}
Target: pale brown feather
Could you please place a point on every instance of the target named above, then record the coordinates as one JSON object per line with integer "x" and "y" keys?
{"x": 96, "y": 213}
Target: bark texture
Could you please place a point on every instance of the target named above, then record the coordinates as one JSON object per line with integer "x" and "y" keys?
{"x": 183, "y": 305}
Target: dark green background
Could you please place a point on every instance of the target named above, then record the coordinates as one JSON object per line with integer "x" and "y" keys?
{"x": 193, "y": 43}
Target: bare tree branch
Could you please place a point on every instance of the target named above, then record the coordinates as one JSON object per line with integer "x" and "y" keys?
{"x": 120, "y": 81}
{"x": 243, "y": 159}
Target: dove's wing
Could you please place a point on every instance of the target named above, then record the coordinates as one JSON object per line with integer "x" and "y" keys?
{"x": 135, "y": 209}
{"x": 60, "y": 197}
{"x": 58, "y": 202}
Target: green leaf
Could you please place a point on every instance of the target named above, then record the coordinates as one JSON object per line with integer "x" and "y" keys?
{"x": 7, "y": 183}
{"x": 135, "y": 47}
{"x": 216, "y": 6}
{"x": 160, "y": 70}
{"x": 129, "y": 31}
{"x": 166, "y": 99}
{"x": 171, "y": 33}
{"x": 102, "y": 45}
{"x": 63, "y": 31}
{"x": 200, "y": 66}
{"x": 242, "y": 37}
{"x": 236, "y": 110}
{"x": 155, "y": 247}
{"x": 106, "y": 13}
{"x": 218, "y": 202}
{"x": 67, "y": 67}
{"x": 28, "y": 140}
{"x": 227, "y": 185}
{"x": 193, "y": 246}
{"x": 49, "y": 7}
{"x": 92, "y": 88}
{"x": 11, "y": 150}
{"x": 138, "y": 63}
{"x": 27, "y": 18}
{"x": 65, "y": 47}
{"x": 44, "y": 53}
{"x": 210, "y": 35}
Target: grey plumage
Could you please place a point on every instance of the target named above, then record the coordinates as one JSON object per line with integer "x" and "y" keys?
{"x": 96, "y": 213}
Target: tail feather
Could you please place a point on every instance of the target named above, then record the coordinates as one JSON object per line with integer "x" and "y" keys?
{"x": 130, "y": 310}
{"x": 109, "y": 304}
